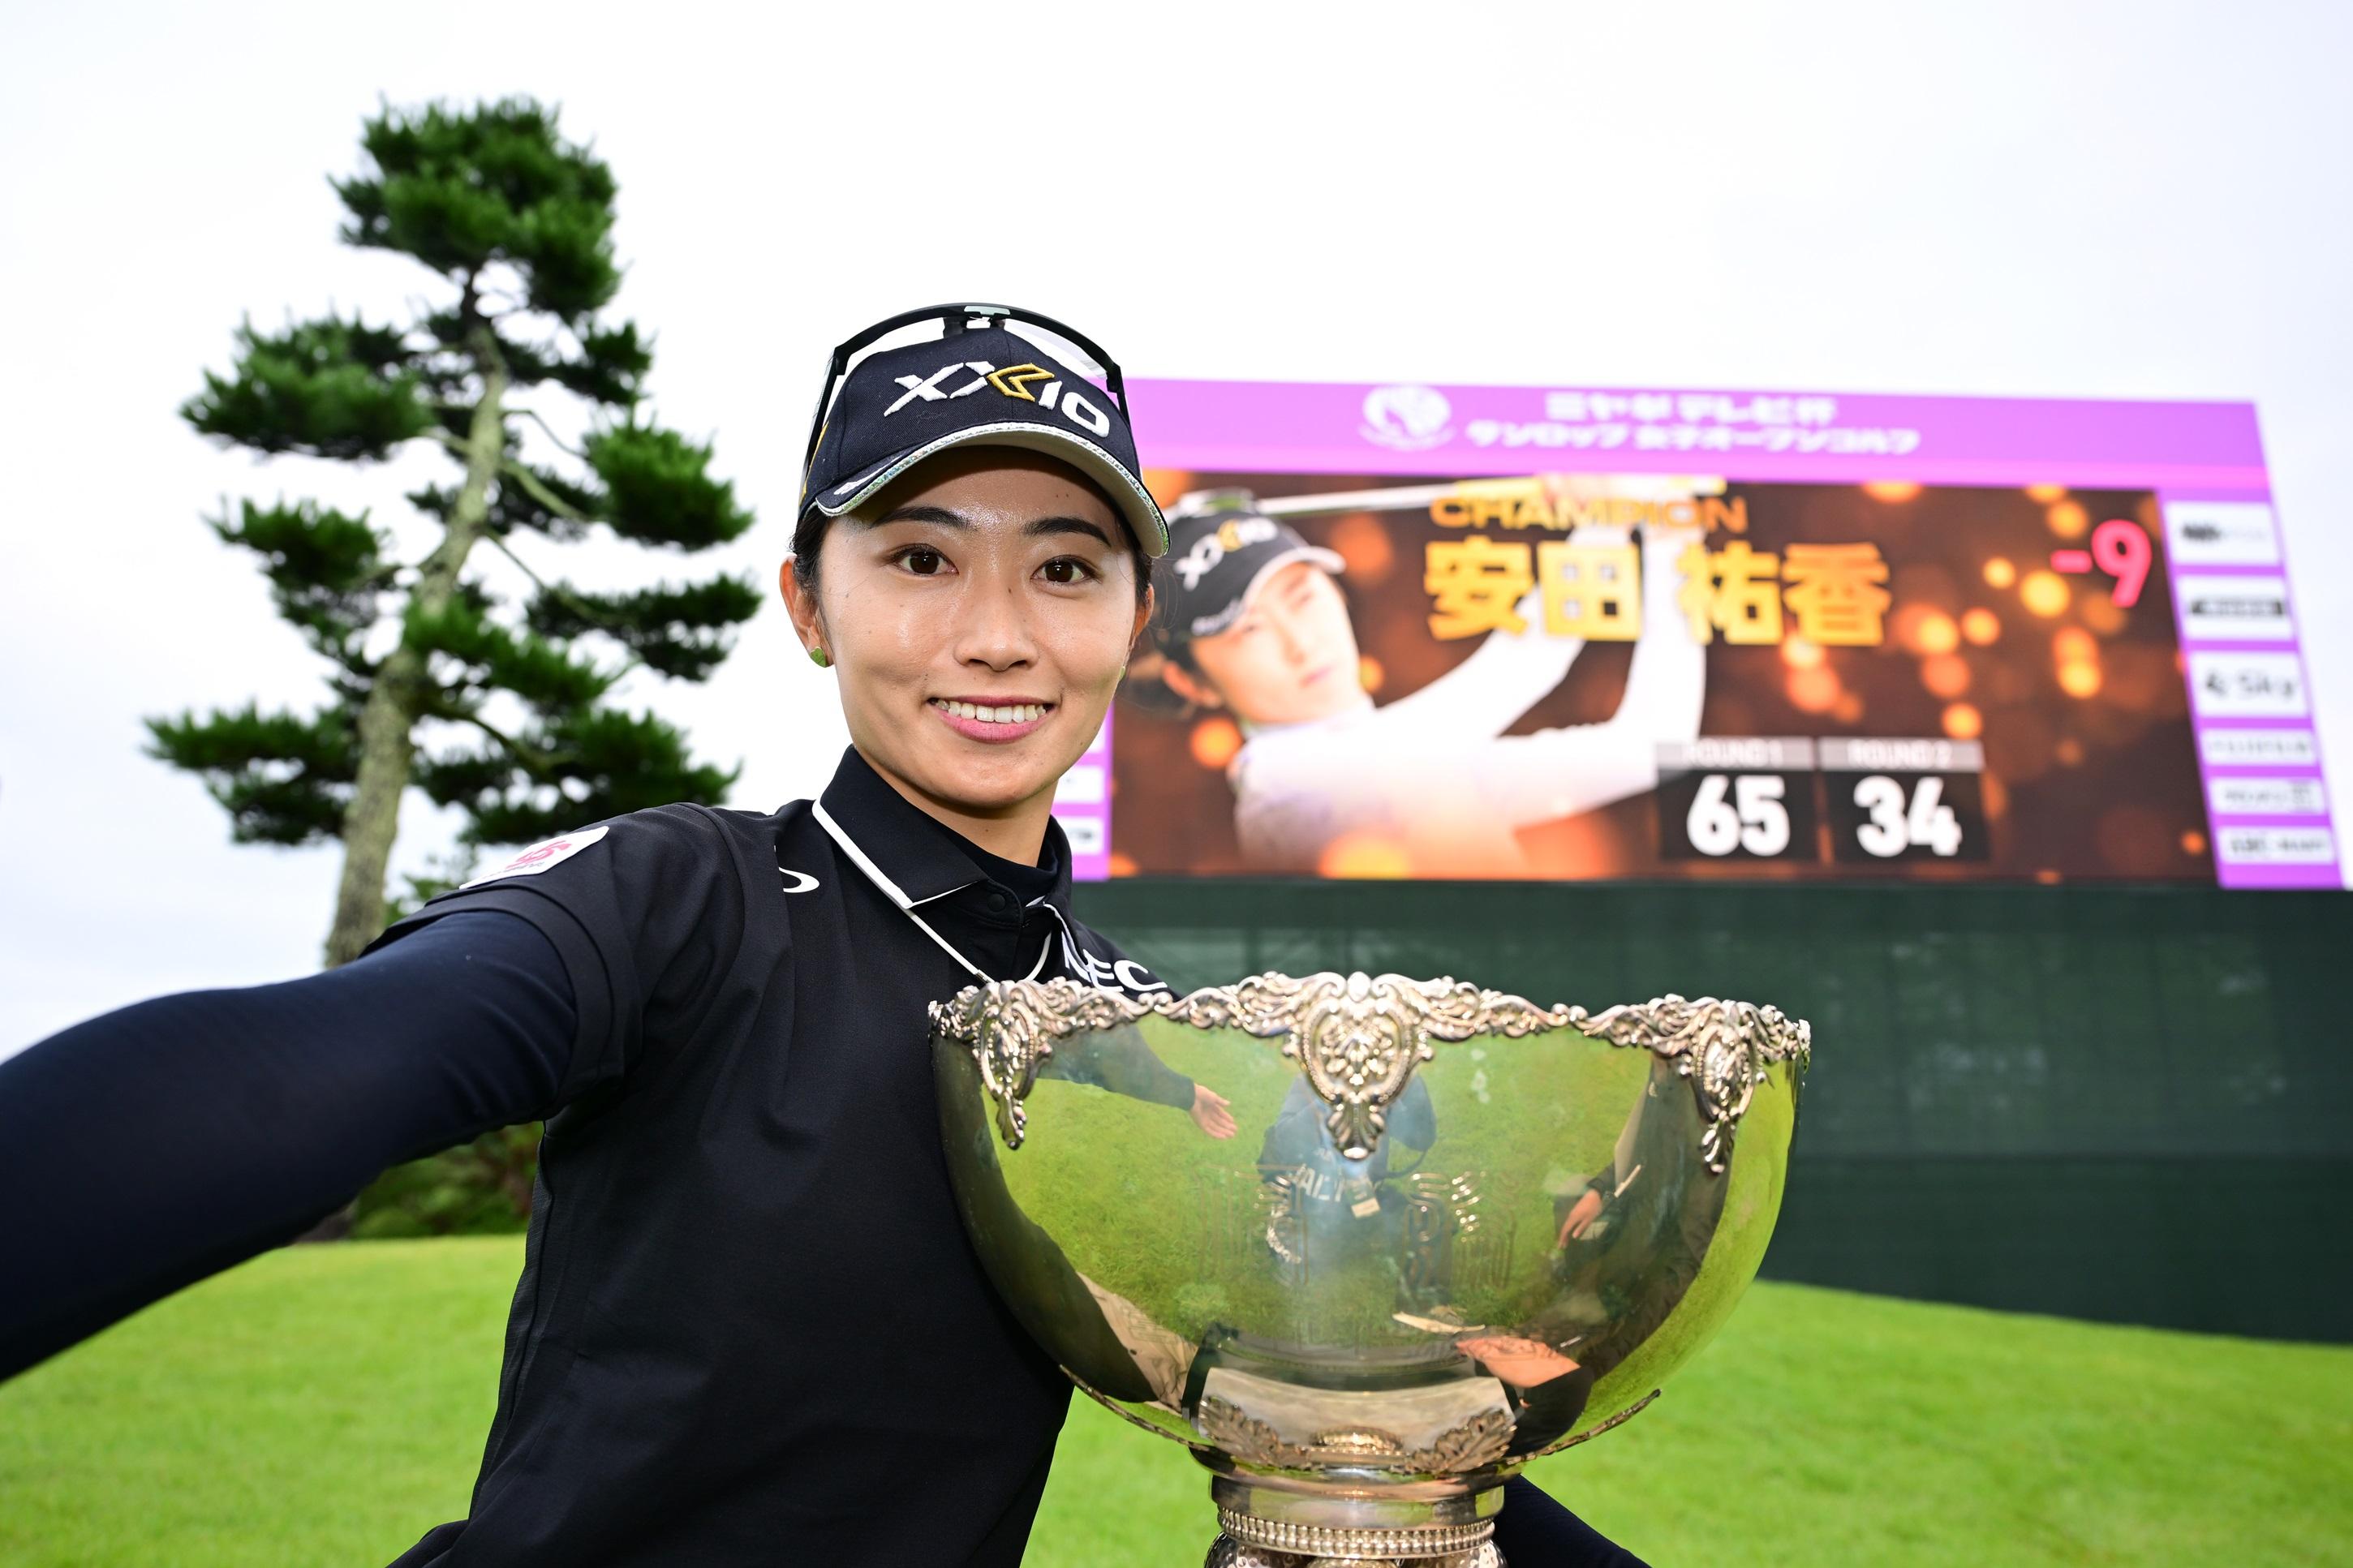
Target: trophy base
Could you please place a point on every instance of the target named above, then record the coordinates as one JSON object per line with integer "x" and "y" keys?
{"x": 1230, "y": 1554}
{"x": 1276, "y": 1527}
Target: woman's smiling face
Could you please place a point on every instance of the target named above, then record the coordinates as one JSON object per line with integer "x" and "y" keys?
{"x": 1292, "y": 657}
{"x": 977, "y": 613}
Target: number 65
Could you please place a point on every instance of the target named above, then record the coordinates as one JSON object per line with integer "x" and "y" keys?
{"x": 1754, "y": 820}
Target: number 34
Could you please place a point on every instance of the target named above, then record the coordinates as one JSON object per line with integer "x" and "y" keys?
{"x": 1894, "y": 828}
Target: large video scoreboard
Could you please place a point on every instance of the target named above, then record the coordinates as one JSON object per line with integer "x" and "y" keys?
{"x": 1573, "y": 633}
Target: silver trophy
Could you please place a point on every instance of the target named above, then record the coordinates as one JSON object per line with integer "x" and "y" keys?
{"x": 1453, "y": 1231}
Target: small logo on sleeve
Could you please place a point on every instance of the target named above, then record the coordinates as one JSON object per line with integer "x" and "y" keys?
{"x": 548, "y": 852}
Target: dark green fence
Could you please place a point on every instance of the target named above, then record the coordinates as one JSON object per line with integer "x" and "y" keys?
{"x": 2110, "y": 1103}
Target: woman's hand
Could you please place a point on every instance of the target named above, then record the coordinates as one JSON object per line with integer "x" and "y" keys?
{"x": 1580, "y": 1218}
{"x": 1210, "y": 1112}
{"x": 1522, "y": 1362}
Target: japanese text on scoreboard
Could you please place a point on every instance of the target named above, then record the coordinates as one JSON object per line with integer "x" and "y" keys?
{"x": 1581, "y": 632}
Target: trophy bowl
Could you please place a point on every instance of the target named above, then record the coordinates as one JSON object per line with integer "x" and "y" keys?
{"x": 1445, "y": 1231}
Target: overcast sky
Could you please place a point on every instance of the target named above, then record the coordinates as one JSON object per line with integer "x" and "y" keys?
{"x": 2135, "y": 200}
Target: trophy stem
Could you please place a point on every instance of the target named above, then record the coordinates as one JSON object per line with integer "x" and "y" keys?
{"x": 1270, "y": 1527}
{"x": 1228, "y": 1552}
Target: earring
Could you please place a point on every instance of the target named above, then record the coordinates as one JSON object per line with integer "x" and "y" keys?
{"x": 819, "y": 658}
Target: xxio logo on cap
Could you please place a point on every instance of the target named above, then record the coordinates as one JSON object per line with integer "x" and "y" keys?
{"x": 1213, "y": 547}
{"x": 1013, "y": 381}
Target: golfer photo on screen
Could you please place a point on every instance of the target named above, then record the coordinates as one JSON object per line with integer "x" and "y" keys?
{"x": 1252, "y": 621}
{"x": 750, "y": 1329}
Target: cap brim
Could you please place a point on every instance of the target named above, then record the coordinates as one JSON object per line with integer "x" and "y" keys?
{"x": 1281, "y": 558}
{"x": 1321, "y": 557}
{"x": 1136, "y": 507}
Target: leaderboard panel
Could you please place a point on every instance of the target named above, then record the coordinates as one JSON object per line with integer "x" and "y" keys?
{"x": 2257, "y": 751}
{"x": 1580, "y": 633}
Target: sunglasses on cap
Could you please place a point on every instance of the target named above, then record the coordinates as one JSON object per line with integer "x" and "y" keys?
{"x": 954, "y": 318}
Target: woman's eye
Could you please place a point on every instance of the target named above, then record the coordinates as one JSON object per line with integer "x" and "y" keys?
{"x": 924, "y": 563}
{"x": 1066, "y": 569}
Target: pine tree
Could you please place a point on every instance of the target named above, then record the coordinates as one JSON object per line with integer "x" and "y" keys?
{"x": 516, "y": 222}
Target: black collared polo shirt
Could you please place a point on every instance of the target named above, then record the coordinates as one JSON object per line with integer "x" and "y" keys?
{"x": 750, "y": 1329}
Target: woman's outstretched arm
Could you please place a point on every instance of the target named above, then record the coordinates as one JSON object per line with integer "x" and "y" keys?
{"x": 148, "y": 1147}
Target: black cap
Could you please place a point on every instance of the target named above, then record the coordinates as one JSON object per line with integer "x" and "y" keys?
{"x": 979, "y": 384}
{"x": 1220, "y": 552}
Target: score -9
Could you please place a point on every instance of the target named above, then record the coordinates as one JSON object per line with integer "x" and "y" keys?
{"x": 2120, "y": 548}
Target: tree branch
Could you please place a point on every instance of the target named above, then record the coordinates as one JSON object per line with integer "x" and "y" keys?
{"x": 525, "y": 476}
{"x": 555, "y": 504}
{"x": 583, "y": 611}
{"x": 532, "y": 414}
{"x": 536, "y": 580}
{"x": 545, "y": 497}
{"x": 533, "y": 760}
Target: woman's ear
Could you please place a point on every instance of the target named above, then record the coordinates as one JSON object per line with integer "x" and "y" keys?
{"x": 1189, "y": 685}
{"x": 1142, "y": 619}
{"x": 800, "y": 602}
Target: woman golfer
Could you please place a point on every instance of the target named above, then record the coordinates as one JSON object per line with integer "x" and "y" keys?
{"x": 749, "y": 1328}
{"x": 1252, "y": 621}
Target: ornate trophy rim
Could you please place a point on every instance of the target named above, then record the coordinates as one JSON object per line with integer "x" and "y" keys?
{"x": 1358, "y": 1037}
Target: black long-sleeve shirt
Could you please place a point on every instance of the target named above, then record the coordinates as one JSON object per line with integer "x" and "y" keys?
{"x": 151, "y": 1146}
{"x": 144, "y": 1149}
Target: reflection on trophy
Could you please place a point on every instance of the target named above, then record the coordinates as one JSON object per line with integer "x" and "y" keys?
{"x": 1469, "y": 1230}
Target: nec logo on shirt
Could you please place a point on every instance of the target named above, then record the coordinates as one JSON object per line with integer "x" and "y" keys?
{"x": 1123, "y": 972}
{"x": 1014, "y": 381}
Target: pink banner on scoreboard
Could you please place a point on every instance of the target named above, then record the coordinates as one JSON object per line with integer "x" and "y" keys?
{"x": 1335, "y": 427}
{"x": 2205, "y": 515}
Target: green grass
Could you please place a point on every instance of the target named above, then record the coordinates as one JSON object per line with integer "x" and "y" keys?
{"x": 325, "y": 1406}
